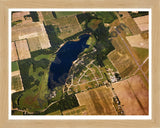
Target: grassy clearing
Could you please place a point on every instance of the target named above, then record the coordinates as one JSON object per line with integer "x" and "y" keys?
{"x": 93, "y": 24}
{"x": 91, "y": 40}
{"x": 48, "y": 17}
{"x": 44, "y": 56}
{"x": 108, "y": 17}
{"x": 62, "y": 14}
{"x": 34, "y": 99}
{"x": 15, "y": 66}
{"x": 35, "y": 74}
{"x": 108, "y": 64}
{"x": 142, "y": 53}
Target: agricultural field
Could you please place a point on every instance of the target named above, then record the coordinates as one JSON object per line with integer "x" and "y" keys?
{"x": 131, "y": 24}
{"x": 93, "y": 24}
{"x": 68, "y": 26}
{"x": 14, "y": 52}
{"x": 55, "y": 113}
{"x": 15, "y": 66}
{"x": 22, "y": 49}
{"x": 63, "y": 14}
{"x": 79, "y": 63}
{"x": 32, "y": 30}
{"x": 142, "y": 22}
{"x": 138, "y": 41}
{"x": 108, "y": 17}
{"x": 34, "y": 44}
{"x": 133, "y": 95}
{"x": 123, "y": 63}
{"x": 81, "y": 110}
{"x": 142, "y": 53}
{"x": 17, "y": 83}
{"x": 98, "y": 101}
{"x": 48, "y": 17}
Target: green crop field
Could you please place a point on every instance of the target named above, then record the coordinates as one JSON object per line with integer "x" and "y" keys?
{"x": 142, "y": 53}
{"x": 17, "y": 83}
{"x": 15, "y": 66}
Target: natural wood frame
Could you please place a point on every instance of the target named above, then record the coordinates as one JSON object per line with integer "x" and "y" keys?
{"x": 6, "y": 4}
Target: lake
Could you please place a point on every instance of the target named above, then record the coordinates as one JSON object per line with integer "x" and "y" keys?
{"x": 65, "y": 56}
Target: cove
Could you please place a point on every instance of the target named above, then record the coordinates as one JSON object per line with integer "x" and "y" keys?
{"x": 64, "y": 57}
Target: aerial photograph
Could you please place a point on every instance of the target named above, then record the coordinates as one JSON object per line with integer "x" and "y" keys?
{"x": 79, "y": 63}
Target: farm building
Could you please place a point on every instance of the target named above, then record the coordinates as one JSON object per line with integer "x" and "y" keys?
{"x": 17, "y": 84}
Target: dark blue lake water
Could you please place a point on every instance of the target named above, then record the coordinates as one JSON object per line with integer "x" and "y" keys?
{"x": 65, "y": 56}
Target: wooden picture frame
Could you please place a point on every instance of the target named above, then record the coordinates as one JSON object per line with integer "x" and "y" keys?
{"x": 4, "y": 62}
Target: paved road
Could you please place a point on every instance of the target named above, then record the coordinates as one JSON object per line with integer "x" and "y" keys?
{"x": 139, "y": 67}
{"x": 144, "y": 61}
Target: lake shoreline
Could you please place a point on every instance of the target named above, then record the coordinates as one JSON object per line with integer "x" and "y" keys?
{"x": 65, "y": 56}
{"x": 74, "y": 40}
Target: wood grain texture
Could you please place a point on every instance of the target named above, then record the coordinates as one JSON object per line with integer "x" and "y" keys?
{"x": 6, "y": 4}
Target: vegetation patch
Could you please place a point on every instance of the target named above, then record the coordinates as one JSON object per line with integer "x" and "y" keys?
{"x": 48, "y": 17}
{"x": 35, "y": 98}
{"x": 15, "y": 112}
{"x": 16, "y": 22}
{"x": 93, "y": 24}
{"x": 15, "y": 66}
{"x": 134, "y": 15}
{"x": 34, "y": 16}
{"x": 142, "y": 53}
{"x": 108, "y": 17}
{"x": 17, "y": 83}
{"x": 69, "y": 102}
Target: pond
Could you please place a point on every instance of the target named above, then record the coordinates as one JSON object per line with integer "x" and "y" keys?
{"x": 65, "y": 56}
